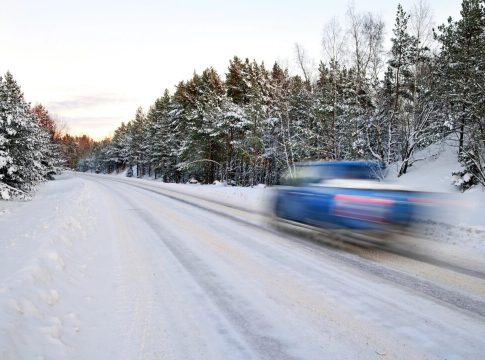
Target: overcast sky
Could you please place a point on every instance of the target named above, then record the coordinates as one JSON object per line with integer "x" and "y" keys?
{"x": 93, "y": 62}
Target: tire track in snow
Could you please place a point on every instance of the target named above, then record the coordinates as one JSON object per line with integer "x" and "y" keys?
{"x": 446, "y": 295}
{"x": 297, "y": 294}
{"x": 241, "y": 214}
{"x": 242, "y": 318}
{"x": 405, "y": 323}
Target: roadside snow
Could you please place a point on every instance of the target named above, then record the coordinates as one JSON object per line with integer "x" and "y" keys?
{"x": 435, "y": 174}
{"x": 49, "y": 266}
{"x": 460, "y": 221}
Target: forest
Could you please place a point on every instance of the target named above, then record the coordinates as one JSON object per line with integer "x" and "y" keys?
{"x": 255, "y": 122}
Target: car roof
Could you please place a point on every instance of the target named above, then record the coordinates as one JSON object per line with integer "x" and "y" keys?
{"x": 345, "y": 163}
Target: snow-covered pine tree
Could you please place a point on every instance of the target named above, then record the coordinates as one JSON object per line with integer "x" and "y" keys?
{"x": 300, "y": 104}
{"x": 461, "y": 78}
{"x": 206, "y": 124}
{"x": 196, "y": 113}
{"x": 137, "y": 154}
{"x": 163, "y": 144}
{"x": 148, "y": 141}
{"x": 400, "y": 78}
{"x": 326, "y": 112}
{"x": 234, "y": 122}
{"x": 249, "y": 145}
{"x": 23, "y": 143}
{"x": 280, "y": 134}
{"x": 114, "y": 152}
{"x": 52, "y": 158}
{"x": 238, "y": 81}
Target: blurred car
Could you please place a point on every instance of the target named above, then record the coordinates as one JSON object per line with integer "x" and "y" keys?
{"x": 346, "y": 195}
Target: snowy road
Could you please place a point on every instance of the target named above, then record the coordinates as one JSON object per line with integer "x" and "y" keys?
{"x": 100, "y": 267}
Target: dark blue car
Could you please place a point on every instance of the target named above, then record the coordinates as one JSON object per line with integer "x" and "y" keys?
{"x": 345, "y": 195}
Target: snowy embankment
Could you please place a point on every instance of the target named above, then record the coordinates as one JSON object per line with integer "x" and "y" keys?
{"x": 434, "y": 173}
{"x": 48, "y": 262}
{"x": 248, "y": 198}
{"x": 461, "y": 219}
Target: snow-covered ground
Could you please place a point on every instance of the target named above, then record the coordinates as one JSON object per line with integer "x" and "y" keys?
{"x": 56, "y": 278}
{"x": 435, "y": 174}
{"x": 460, "y": 222}
{"x": 104, "y": 267}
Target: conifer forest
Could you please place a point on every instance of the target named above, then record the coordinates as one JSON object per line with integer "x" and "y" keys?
{"x": 364, "y": 100}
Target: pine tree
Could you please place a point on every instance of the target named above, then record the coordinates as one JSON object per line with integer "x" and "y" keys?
{"x": 50, "y": 148}
{"x": 257, "y": 158}
{"x": 163, "y": 137}
{"x": 238, "y": 81}
{"x": 136, "y": 150}
{"x": 400, "y": 79}
{"x": 24, "y": 145}
{"x": 461, "y": 71}
{"x": 325, "y": 140}
{"x": 300, "y": 105}
{"x": 116, "y": 153}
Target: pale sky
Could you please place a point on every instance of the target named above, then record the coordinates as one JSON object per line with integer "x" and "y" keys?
{"x": 92, "y": 63}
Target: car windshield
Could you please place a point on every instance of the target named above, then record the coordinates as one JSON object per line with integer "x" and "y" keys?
{"x": 301, "y": 176}
{"x": 306, "y": 174}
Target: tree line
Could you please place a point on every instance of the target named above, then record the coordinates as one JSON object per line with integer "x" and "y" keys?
{"x": 258, "y": 122}
{"x": 33, "y": 146}
{"x": 29, "y": 153}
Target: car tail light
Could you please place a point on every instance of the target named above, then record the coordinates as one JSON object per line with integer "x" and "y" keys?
{"x": 362, "y": 207}
{"x": 363, "y": 199}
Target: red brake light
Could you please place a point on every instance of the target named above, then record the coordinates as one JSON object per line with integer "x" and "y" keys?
{"x": 363, "y": 199}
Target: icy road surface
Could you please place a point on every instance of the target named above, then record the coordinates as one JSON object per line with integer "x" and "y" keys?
{"x": 99, "y": 267}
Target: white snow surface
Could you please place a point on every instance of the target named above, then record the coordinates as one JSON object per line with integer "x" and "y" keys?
{"x": 435, "y": 174}
{"x": 105, "y": 267}
{"x": 460, "y": 221}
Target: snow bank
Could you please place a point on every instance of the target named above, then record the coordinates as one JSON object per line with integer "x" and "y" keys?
{"x": 49, "y": 270}
{"x": 460, "y": 221}
{"x": 434, "y": 174}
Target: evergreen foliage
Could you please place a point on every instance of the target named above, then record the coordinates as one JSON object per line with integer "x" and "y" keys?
{"x": 257, "y": 122}
{"x": 28, "y": 154}
{"x": 461, "y": 69}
